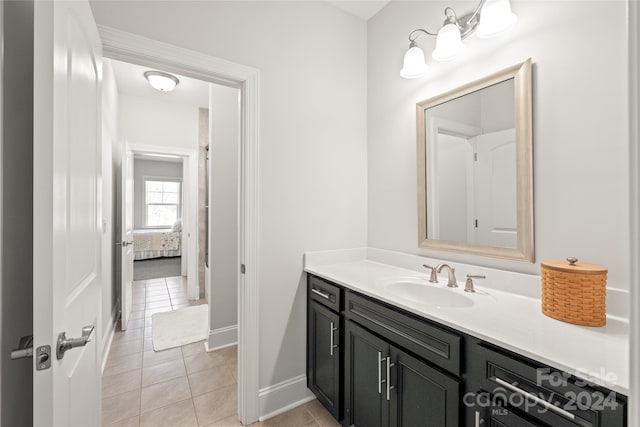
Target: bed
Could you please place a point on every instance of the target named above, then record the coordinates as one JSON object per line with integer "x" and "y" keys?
{"x": 156, "y": 243}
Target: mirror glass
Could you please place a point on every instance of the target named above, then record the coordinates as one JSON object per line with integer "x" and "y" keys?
{"x": 474, "y": 167}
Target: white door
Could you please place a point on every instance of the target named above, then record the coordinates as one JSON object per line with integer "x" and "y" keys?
{"x": 67, "y": 215}
{"x": 454, "y": 178}
{"x": 495, "y": 189}
{"x": 126, "y": 192}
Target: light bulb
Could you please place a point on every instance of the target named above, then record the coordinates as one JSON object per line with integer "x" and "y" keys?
{"x": 413, "y": 65}
{"x": 495, "y": 17}
{"x": 448, "y": 43}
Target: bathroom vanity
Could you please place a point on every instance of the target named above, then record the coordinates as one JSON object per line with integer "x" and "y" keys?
{"x": 387, "y": 348}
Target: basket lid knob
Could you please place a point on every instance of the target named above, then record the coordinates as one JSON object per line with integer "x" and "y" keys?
{"x": 568, "y": 266}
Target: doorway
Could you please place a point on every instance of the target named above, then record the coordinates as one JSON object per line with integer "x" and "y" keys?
{"x": 159, "y": 248}
{"x": 132, "y": 48}
{"x": 159, "y": 295}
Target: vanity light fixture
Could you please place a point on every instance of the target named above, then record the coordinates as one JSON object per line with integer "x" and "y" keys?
{"x": 164, "y": 82}
{"x": 490, "y": 18}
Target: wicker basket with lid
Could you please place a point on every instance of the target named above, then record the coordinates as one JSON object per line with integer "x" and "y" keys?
{"x": 574, "y": 292}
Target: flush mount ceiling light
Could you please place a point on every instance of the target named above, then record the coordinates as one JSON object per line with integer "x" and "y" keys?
{"x": 490, "y": 18}
{"x": 164, "y": 82}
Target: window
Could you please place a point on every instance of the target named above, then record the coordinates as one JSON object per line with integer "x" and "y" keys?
{"x": 162, "y": 202}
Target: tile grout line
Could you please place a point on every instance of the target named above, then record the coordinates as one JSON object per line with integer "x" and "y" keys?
{"x": 160, "y": 382}
{"x": 162, "y": 407}
{"x": 144, "y": 364}
{"x": 142, "y": 355}
{"x": 309, "y": 412}
{"x": 193, "y": 402}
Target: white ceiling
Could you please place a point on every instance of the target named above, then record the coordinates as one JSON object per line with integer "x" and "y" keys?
{"x": 363, "y": 9}
{"x": 131, "y": 81}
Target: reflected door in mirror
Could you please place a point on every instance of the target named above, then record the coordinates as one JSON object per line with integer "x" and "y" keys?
{"x": 495, "y": 189}
{"x": 474, "y": 189}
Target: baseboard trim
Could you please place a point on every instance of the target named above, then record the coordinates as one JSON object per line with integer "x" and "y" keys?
{"x": 284, "y": 396}
{"x": 221, "y": 338}
{"x": 106, "y": 341}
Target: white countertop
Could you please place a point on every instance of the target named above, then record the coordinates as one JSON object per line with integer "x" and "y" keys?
{"x": 514, "y": 322}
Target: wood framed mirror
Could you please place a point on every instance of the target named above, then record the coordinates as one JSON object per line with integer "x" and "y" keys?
{"x": 475, "y": 171}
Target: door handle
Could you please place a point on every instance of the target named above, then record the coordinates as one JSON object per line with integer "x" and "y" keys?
{"x": 25, "y": 348}
{"x": 65, "y": 343}
{"x": 123, "y": 244}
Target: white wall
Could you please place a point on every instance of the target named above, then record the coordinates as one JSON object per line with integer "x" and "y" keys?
{"x": 463, "y": 110}
{"x": 312, "y": 62}
{"x": 490, "y": 109}
{"x": 109, "y": 250}
{"x": 150, "y": 122}
{"x": 580, "y": 119}
{"x": 497, "y": 107}
{"x": 150, "y": 168}
{"x": 224, "y": 151}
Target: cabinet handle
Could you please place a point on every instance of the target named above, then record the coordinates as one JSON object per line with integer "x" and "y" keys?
{"x": 320, "y": 293}
{"x": 536, "y": 399}
{"x": 477, "y": 419}
{"x": 389, "y": 366}
{"x": 380, "y": 359}
{"x": 331, "y": 345}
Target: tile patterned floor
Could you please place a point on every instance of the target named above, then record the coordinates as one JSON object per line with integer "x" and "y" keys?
{"x": 182, "y": 386}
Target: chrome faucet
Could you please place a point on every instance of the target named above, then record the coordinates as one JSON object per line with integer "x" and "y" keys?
{"x": 452, "y": 274}
{"x": 433, "y": 277}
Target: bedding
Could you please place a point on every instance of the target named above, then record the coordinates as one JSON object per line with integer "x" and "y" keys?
{"x": 156, "y": 243}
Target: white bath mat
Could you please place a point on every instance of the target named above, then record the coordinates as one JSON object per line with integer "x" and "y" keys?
{"x": 179, "y": 327}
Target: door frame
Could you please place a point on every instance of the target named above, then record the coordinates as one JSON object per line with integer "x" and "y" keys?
{"x": 448, "y": 127}
{"x": 139, "y": 50}
{"x": 189, "y": 208}
{"x": 633, "y": 14}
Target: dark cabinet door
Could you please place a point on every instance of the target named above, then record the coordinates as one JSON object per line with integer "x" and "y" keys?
{"x": 421, "y": 396}
{"x": 366, "y": 356}
{"x": 324, "y": 356}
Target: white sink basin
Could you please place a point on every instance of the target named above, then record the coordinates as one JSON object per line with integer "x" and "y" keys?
{"x": 421, "y": 291}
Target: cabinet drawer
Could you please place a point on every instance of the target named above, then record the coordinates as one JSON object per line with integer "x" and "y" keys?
{"x": 324, "y": 292}
{"x": 559, "y": 399}
{"x": 437, "y": 345}
{"x": 500, "y": 417}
